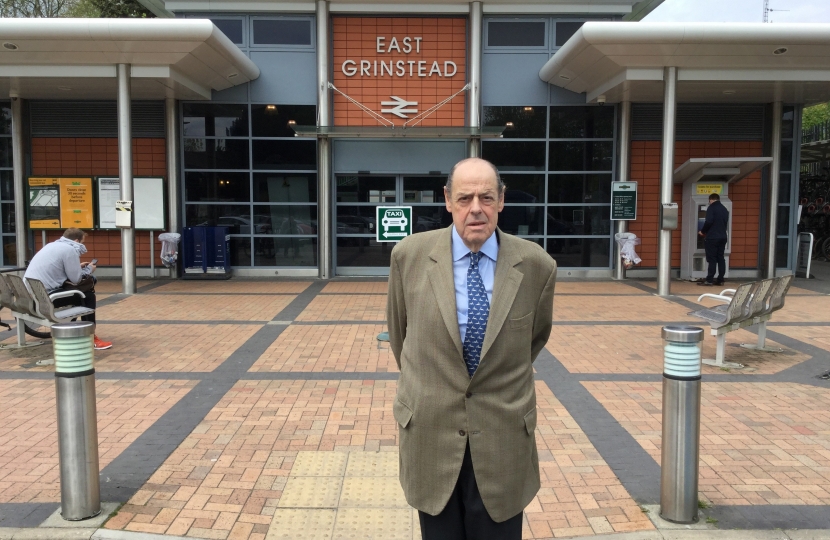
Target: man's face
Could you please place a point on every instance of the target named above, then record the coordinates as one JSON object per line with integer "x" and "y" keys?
{"x": 475, "y": 202}
{"x": 712, "y": 200}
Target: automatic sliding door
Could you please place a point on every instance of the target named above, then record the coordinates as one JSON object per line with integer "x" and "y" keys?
{"x": 425, "y": 194}
{"x": 357, "y": 197}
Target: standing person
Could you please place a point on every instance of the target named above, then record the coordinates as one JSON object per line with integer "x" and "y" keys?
{"x": 58, "y": 266}
{"x": 714, "y": 230}
{"x": 469, "y": 309}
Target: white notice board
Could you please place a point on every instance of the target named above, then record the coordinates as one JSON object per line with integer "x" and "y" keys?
{"x": 149, "y": 202}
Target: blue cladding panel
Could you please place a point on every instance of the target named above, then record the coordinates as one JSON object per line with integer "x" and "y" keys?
{"x": 399, "y": 156}
{"x": 285, "y": 77}
{"x": 510, "y": 79}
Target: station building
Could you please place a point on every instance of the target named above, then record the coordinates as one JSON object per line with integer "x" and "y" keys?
{"x": 289, "y": 122}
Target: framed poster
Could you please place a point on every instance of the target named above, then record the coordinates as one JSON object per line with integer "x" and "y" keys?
{"x": 149, "y": 202}
{"x": 60, "y": 203}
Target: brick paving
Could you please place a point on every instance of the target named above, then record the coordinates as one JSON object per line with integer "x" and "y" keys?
{"x": 335, "y": 348}
{"x": 766, "y": 434}
{"x": 757, "y": 446}
{"x": 29, "y": 438}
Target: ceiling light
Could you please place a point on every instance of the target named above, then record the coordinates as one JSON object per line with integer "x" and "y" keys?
{"x": 270, "y": 107}
{"x": 780, "y": 50}
{"x": 565, "y": 77}
{"x": 64, "y": 88}
{"x": 232, "y": 75}
{"x": 292, "y": 122}
{"x": 10, "y": 46}
{"x": 528, "y": 109}
{"x": 728, "y": 92}
{"x": 509, "y": 125}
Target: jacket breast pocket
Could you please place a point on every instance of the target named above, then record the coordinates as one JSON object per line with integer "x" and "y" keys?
{"x": 521, "y": 322}
{"x": 402, "y": 413}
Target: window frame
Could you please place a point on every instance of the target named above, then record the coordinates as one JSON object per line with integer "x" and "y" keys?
{"x": 253, "y": 46}
{"x": 516, "y": 48}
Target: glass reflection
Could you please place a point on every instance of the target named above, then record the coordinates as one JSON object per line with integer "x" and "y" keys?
{"x": 529, "y": 188}
{"x": 281, "y": 187}
{"x": 579, "y": 220}
{"x": 515, "y": 155}
{"x": 240, "y": 249}
{"x": 211, "y": 120}
{"x": 236, "y": 218}
{"x": 522, "y": 220}
{"x": 284, "y": 219}
{"x": 580, "y": 252}
{"x": 581, "y": 122}
{"x": 430, "y": 218}
{"x": 365, "y": 189}
{"x": 519, "y": 122}
{"x": 285, "y": 252}
{"x": 423, "y": 189}
{"x": 215, "y": 154}
{"x": 579, "y": 188}
{"x": 280, "y": 154}
{"x": 216, "y": 187}
{"x": 363, "y": 252}
{"x": 581, "y": 156}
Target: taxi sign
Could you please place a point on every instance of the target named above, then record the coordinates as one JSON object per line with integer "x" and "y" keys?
{"x": 393, "y": 223}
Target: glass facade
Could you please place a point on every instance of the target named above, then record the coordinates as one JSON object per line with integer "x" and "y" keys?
{"x": 557, "y": 163}
{"x": 7, "y": 227}
{"x": 787, "y": 200}
{"x": 244, "y": 169}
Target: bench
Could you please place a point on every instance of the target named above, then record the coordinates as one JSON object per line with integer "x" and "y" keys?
{"x": 33, "y": 304}
{"x": 751, "y": 304}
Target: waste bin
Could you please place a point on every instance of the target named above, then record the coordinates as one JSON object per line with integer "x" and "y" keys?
{"x": 206, "y": 253}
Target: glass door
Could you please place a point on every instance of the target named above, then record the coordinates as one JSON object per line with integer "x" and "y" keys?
{"x": 356, "y": 198}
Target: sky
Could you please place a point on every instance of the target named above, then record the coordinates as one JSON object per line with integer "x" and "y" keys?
{"x": 740, "y": 11}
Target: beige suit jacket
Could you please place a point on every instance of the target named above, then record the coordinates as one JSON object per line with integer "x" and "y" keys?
{"x": 439, "y": 407}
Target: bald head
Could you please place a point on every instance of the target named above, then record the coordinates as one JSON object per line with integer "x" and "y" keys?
{"x": 475, "y": 162}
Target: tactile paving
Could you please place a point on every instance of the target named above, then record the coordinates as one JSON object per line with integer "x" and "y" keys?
{"x": 319, "y": 464}
{"x": 366, "y": 523}
{"x": 372, "y": 464}
{"x": 301, "y": 524}
{"x": 311, "y": 492}
{"x": 373, "y": 492}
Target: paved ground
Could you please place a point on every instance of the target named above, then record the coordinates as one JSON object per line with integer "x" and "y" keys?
{"x": 263, "y": 409}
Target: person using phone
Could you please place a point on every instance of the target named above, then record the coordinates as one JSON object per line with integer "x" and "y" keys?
{"x": 58, "y": 266}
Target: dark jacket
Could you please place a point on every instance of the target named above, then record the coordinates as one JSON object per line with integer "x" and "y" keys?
{"x": 717, "y": 220}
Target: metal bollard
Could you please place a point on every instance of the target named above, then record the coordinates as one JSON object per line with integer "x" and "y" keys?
{"x": 681, "y": 423}
{"x": 77, "y": 420}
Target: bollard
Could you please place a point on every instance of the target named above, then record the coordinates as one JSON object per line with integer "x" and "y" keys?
{"x": 681, "y": 423}
{"x": 77, "y": 420}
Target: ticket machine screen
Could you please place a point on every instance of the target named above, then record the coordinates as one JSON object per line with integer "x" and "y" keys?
{"x": 701, "y": 219}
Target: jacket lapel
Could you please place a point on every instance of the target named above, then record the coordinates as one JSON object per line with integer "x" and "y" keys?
{"x": 443, "y": 285}
{"x": 505, "y": 287}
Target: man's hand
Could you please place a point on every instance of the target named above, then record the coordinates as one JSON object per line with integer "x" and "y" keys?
{"x": 700, "y": 233}
{"x": 91, "y": 266}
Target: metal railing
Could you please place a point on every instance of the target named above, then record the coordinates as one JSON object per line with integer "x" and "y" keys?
{"x": 819, "y": 132}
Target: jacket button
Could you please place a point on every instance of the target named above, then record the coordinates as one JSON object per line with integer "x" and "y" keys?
{"x": 469, "y": 394}
{"x": 461, "y": 432}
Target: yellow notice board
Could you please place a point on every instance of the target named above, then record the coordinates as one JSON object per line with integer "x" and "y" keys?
{"x": 708, "y": 189}
{"x": 60, "y": 203}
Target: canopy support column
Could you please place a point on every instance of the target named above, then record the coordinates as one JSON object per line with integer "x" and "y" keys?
{"x": 171, "y": 135}
{"x": 20, "y": 236}
{"x": 475, "y": 76}
{"x": 324, "y": 204}
{"x": 666, "y": 177}
{"x": 125, "y": 175}
{"x": 623, "y": 176}
{"x": 774, "y": 182}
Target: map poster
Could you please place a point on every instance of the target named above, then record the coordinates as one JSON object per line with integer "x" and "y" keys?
{"x": 44, "y": 203}
{"x": 76, "y": 203}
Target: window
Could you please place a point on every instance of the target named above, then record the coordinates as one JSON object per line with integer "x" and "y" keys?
{"x": 565, "y": 30}
{"x": 231, "y": 28}
{"x": 516, "y": 33}
{"x": 8, "y": 257}
{"x": 282, "y": 32}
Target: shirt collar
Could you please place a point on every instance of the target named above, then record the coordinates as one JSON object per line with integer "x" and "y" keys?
{"x": 459, "y": 250}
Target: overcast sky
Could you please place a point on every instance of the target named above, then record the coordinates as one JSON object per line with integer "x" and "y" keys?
{"x": 741, "y": 11}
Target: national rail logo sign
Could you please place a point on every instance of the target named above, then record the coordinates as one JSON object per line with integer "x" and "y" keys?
{"x": 399, "y": 68}
{"x": 394, "y": 223}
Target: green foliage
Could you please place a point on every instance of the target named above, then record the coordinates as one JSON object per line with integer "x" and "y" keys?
{"x": 711, "y": 520}
{"x": 83, "y": 9}
{"x": 815, "y": 115}
{"x": 121, "y": 9}
{"x": 703, "y": 504}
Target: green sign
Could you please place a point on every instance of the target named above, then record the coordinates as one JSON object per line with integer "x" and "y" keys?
{"x": 394, "y": 223}
{"x": 624, "y": 201}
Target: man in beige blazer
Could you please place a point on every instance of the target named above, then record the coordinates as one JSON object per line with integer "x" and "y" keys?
{"x": 469, "y": 309}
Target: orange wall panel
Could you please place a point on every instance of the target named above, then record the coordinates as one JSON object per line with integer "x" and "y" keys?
{"x": 356, "y": 39}
{"x": 99, "y": 157}
{"x": 745, "y": 196}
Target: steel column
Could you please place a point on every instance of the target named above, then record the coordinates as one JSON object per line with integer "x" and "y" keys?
{"x": 324, "y": 203}
{"x": 774, "y": 182}
{"x": 20, "y": 236}
{"x": 171, "y": 128}
{"x": 475, "y": 75}
{"x": 666, "y": 177}
{"x": 623, "y": 176}
{"x": 125, "y": 175}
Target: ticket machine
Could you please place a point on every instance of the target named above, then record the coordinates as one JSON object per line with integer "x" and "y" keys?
{"x": 700, "y": 178}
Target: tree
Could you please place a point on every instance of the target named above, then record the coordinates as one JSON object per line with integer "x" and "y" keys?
{"x": 114, "y": 9}
{"x": 34, "y": 8}
{"x": 73, "y": 8}
{"x": 815, "y": 115}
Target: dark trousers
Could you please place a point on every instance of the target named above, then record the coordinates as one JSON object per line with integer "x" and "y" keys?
{"x": 76, "y": 300}
{"x": 464, "y": 517}
{"x": 715, "y": 258}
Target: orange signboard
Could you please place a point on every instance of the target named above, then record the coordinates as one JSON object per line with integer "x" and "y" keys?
{"x": 60, "y": 203}
{"x": 399, "y": 67}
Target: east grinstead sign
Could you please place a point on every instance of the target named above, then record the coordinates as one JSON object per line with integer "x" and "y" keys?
{"x": 399, "y": 67}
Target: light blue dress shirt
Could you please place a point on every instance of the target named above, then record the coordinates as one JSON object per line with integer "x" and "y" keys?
{"x": 460, "y": 265}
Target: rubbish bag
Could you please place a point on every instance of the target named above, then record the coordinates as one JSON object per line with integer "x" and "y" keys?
{"x": 169, "y": 248}
{"x": 627, "y": 241}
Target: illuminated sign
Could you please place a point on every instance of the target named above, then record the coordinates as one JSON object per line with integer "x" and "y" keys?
{"x": 60, "y": 203}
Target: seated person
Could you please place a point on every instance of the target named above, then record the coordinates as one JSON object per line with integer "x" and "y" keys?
{"x": 58, "y": 266}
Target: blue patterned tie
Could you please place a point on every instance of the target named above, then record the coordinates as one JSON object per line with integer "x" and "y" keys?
{"x": 478, "y": 309}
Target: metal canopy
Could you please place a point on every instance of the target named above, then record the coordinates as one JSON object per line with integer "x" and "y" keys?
{"x": 76, "y": 58}
{"x": 716, "y": 62}
{"x": 729, "y": 170}
{"x": 379, "y": 132}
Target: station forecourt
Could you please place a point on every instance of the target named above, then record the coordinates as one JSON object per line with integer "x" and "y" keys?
{"x": 227, "y": 407}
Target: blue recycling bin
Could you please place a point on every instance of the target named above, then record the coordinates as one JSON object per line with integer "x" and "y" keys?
{"x": 206, "y": 253}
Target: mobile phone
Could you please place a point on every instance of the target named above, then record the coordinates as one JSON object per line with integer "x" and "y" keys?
{"x": 93, "y": 261}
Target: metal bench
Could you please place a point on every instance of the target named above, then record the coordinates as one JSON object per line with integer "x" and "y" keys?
{"x": 33, "y": 304}
{"x": 750, "y": 304}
